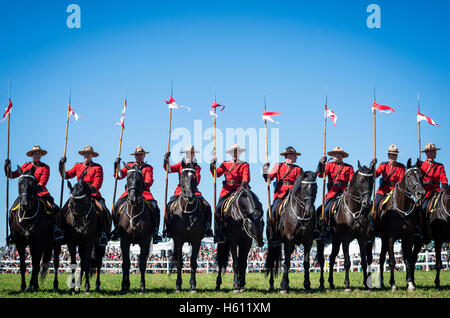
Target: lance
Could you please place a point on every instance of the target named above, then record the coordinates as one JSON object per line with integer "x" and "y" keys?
{"x": 65, "y": 146}
{"x": 167, "y": 166}
{"x": 7, "y": 172}
{"x": 215, "y": 166}
{"x": 267, "y": 160}
{"x": 324, "y": 154}
{"x": 116, "y": 172}
{"x": 374, "y": 145}
{"x": 418, "y": 122}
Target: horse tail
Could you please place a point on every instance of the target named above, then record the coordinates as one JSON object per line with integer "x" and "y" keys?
{"x": 223, "y": 250}
{"x": 273, "y": 259}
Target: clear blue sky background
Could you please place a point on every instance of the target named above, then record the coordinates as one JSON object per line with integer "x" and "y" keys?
{"x": 289, "y": 50}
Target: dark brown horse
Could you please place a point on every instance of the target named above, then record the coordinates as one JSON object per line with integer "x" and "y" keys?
{"x": 188, "y": 222}
{"x": 80, "y": 223}
{"x": 243, "y": 223}
{"x": 398, "y": 221}
{"x": 437, "y": 226}
{"x": 136, "y": 222}
{"x": 30, "y": 225}
{"x": 350, "y": 222}
{"x": 297, "y": 226}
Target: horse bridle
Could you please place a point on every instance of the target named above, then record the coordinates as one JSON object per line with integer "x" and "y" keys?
{"x": 246, "y": 219}
{"x": 85, "y": 215}
{"x": 129, "y": 202}
{"x": 186, "y": 199}
{"x": 300, "y": 202}
{"x": 22, "y": 218}
{"x": 356, "y": 199}
{"x": 408, "y": 194}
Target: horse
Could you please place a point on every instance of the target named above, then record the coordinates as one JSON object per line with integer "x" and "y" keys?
{"x": 188, "y": 223}
{"x": 81, "y": 220}
{"x": 437, "y": 226}
{"x": 297, "y": 224}
{"x": 349, "y": 218}
{"x": 136, "y": 225}
{"x": 243, "y": 223}
{"x": 398, "y": 221}
{"x": 30, "y": 225}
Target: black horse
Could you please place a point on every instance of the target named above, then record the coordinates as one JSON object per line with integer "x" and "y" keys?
{"x": 437, "y": 226}
{"x": 297, "y": 225}
{"x": 80, "y": 223}
{"x": 30, "y": 225}
{"x": 350, "y": 221}
{"x": 188, "y": 216}
{"x": 242, "y": 223}
{"x": 398, "y": 221}
{"x": 136, "y": 223}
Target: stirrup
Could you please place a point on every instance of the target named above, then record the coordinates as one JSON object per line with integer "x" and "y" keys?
{"x": 114, "y": 234}
{"x": 219, "y": 238}
{"x": 167, "y": 233}
{"x": 157, "y": 238}
{"x": 103, "y": 240}
{"x": 58, "y": 234}
{"x": 317, "y": 235}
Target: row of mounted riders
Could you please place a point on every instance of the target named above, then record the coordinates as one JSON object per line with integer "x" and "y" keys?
{"x": 410, "y": 206}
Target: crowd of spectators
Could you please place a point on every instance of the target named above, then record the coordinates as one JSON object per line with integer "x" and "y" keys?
{"x": 112, "y": 260}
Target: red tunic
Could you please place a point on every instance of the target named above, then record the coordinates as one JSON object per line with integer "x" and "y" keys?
{"x": 147, "y": 172}
{"x": 42, "y": 173}
{"x": 433, "y": 176}
{"x": 93, "y": 177}
{"x": 391, "y": 174}
{"x": 288, "y": 174}
{"x": 235, "y": 174}
{"x": 339, "y": 176}
{"x": 177, "y": 168}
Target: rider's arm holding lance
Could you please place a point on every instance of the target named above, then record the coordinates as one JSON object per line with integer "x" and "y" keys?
{"x": 246, "y": 176}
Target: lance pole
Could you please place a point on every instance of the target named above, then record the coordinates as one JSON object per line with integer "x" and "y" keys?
{"x": 374, "y": 145}
{"x": 7, "y": 172}
{"x": 167, "y": 165}
{"x": 215, "y": 166}
{"x": 418, "y": 123}
{"x": 324, "y": 154}
{"x": 267, "y": 160}
{"x": 116, "y": 172}
{"x": 65, "y": 147}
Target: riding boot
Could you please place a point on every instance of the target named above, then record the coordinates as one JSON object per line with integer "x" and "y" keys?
{"x": 58, "y": 233}
{"x": 219, "y": 237}
{"x": 274, "y": 239}
{"x": 371, "y": 233}
{"x": 168, "y": 230}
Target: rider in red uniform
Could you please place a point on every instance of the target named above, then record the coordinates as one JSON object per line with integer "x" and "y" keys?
{"x": 94, "y": 178}
{"x": 189, "y": 161}
{"x": 41, "y": 174}
{"x": 285, "y": 174}
{"x": 237, "y": 175}
{"x": 147, "y": 172}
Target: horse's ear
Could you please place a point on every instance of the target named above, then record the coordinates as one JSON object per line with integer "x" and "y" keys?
{"x": 408, "y": 164}
{"x": 418, "y": 163}
{"x": 69, "y": 185}
{"x": 19, "y": 170}
{"x": 303, "y": 174}
{"x": 359, "y": 165}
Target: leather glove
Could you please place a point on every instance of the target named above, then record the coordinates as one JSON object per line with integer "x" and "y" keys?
{"x": 7, "y": 167}
{"x": 321, "y": 165}
{"x": 265, "y": 168}
{"x": 63, "y": 160}
{"x": 93, "y": 189}
{"x": 323, "y": 160}
{"x": 166, "y": 158}
{"x": 444, "y": 186}
{"x": 212, "y": 164}
{"x": 116, "y": 164}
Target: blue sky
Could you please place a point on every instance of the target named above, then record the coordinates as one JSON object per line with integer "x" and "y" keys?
{"x": 288, "y": 50}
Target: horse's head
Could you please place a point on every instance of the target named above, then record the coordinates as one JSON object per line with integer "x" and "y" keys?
{"x": 363, "y": 180}
{"x": 252, "y": 211}
{"x": 413, "y": 179}
{"x": 305, "y": 187}
{"x": 80, "y": 197}
{"x": 27, "y": 188}
{"x": 188, "y": 183}
{"x": 135, "y": 183}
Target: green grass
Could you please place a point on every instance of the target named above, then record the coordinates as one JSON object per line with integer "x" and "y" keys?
{"x": 162, "y": 285}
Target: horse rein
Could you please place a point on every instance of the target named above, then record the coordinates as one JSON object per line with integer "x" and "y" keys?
{"x": 300, "y": 203}
{"x": 408, "y": 195}
{"x": 22, "y": 218}
{"x": 185, "y": 209}
{"x": 356, "y": 199}
{"x": 84, "y": 216}
{"x": 245, "y": 220}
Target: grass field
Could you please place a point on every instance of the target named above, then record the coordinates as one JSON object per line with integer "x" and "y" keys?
{"x": 162, "y": 285}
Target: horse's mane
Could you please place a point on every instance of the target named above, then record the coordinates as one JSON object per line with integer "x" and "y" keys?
{"x": 254, "y": 199}
{"x": 362, "y": 169}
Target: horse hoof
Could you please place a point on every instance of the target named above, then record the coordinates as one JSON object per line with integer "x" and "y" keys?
{"x": 242, "y": 290}
{"x": 347, "y": 290}
{"x": 271, "y": 289}
{"x": 321, "y": 288}
{"x": 235, "y": 291}
{"x": 283, "y": 292}
{"x": 394, "y": 288}
{"x": 192, "y": 291}
{"x": 217, "y": 288}
{"x": 411, "y": 287}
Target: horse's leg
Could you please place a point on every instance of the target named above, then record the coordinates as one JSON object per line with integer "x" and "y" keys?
{"x": 244, "y": 249}
{"x": 20, "y": 246}
{"x": 56, "y": 252}
{"x": 73, "y": 264}
{"x": 194, "y": 254}
{"x": 271, "y": 281}
{"x": 336, "y": 244}
{"x": 321, "y": 260}
{"x": 219, "y": 279}
{"x": 85, "y": 251}
{"x": 99, "y": 253}
{"x": 125, "y": 247}
{"x": 145, "y": 246}
{"x": 417, "y": 246}
{"x": 369, "y": 258}
{"x": 178, "y": 255}
{"x": 362, "y": 242}
{"x": 233, "y": 249}
{"x": 392, "y": 263}
{"x": 408, "y": 259}
{"x": 307, "y": 250}
{"x": 437, "y": 249}
{"x": 345, "y": 249}
{"x": 36, "y": 255}
{"x": 288, "y": 249}
{"x": 382, "y": 260}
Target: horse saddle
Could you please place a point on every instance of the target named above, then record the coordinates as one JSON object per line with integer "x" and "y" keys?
{"x": 47, "y": 206}
{"x": 120, "y": 208}
{"x": 227, "y": 203}
{"x": 431, "y": 207}
{"x": 386, "y": 200}
{"x": 281, "y": 206}
{"x": 335, "y": 205}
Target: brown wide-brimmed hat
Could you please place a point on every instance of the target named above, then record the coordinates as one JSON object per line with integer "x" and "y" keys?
{"x": 336, "y": 150}
{"x": 235, "y": 147}
{"x": 36, "y": 148}
{"x": 290, "y": 150}
{"x": 393, "y": 149}
{"x": 189, "y": 149}
{"x": 139, "y": 150}
{"x": 430, "y": 147}
{"x": 88, "y": 150}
